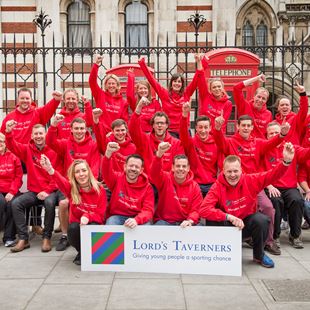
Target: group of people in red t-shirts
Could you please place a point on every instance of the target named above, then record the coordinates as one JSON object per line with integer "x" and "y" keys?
{"x": 144, "y": 167}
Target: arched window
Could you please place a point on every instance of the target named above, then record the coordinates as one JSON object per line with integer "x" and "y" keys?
{"x": 136, "y": 25}
{"x": 261, "y": 34}
{"x": 248, "y": 34}
{"x": 78, "y": 25}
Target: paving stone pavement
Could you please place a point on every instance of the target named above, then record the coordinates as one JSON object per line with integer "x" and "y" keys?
{"x": 34, "y": 280}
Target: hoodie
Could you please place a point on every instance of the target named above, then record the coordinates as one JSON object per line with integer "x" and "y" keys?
{"x": 69, "y": 150}
{"x": 250, "y": 150}
{"x": 113, "y": 106}
{"x": 296, "y": 120}
{"x": 176, "y": 202}
{"x": 25, "y": 121}
{"x": 204, "y": 158}
{"x": 172, "y": 102}
{"x": 64, "y": 127}
{"x": 147, "y": 144}
{"x": 118, "y": 158}
{"x": 11, "y": 173}
{"x": 148, "y": 111}
{"x": 129, "y": 199}
{"x": 38, "y": 179}
{"x": 261, "y": 118}
{"x": 92, "y": 206}
{"x": 211, "y": 106}
{"x": 239, "y": 200}
{"x": 289, "y": 178}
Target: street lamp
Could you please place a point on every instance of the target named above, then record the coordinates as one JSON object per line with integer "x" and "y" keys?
{"x": 197, "y": 21}
{"x": 42, "y": 21}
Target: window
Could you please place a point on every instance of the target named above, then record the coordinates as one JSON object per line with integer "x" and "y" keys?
{"x": 136, "y": 25}
{"x": 261, "y": 34}
{"x": 78, "y": 23}
{"x": 248, "y": 34}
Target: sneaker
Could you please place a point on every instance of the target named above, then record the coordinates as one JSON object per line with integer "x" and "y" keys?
{"x": 266, "y": 261}
{"x": 62, "y": 243}
{"x": 77, "y": 259}
{"x": 277, "y": 242}
{"x": 305, "y": 225}
{"x": 296, "y": 242}
{"x": 273, "y": 249}
{"x": 284, "y": 225}
{"x": 9, "y": 243}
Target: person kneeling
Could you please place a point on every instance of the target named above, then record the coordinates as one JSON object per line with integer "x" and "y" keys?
{"x": 232, "y": 201}
{"x": 87, "y": 198}
{"x": 132, "y": 200}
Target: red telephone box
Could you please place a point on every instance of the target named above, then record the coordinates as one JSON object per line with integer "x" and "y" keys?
{"x": 233, "y": 65}
{"x": 121, "y": 72}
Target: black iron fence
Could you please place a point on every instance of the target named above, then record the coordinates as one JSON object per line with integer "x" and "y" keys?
{"x": 51, "y": 67}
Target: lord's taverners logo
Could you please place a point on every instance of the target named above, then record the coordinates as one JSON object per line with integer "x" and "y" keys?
{"x": 107, "y": 248}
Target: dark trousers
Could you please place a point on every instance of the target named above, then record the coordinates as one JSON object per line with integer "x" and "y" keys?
{"x": 292, "y": 202}
{"x": 26, "y": 201}
{"x": 204, "y": 188}
{"x": 7, "y": 216}
{"x": 74, "y": 235}
{"x": 255, "y": 226}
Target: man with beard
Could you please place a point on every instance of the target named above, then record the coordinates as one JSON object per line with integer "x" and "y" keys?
{"x": 147, "y": 144}
{"x": 132, "y": 199}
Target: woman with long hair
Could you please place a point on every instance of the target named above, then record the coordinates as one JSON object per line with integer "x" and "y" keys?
{"x": 173, "y": 98}
{"x": 87, "y": 198}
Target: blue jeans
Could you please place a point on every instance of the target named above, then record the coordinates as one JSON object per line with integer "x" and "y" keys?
{"x": 307, "y": 211}
{"x": 165, "y": 223}
{"x": 119, "y": 220}
{"x": 162, "y": 222}
{"x": 204, "y": 188}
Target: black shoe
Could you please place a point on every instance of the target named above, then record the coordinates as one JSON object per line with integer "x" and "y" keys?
{"x": 62, "y": 243}
{"x": 77, "y": 259}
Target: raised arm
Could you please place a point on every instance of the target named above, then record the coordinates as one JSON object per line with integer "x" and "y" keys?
{"x": 46, "y": 112}
{"x": 99, "y": 131}
{"x": 157, "y": 174}
{"x": 161, "y": 91}
{"x": 19, "y": 149}
{"x": 303, "y": 105}
{"x": 130, "y": 91}
{"x": 57, "y": 145}
{"x": 221, "y": 141}
{"x": 109, "y": 175}
{"x": 97, "y": 92}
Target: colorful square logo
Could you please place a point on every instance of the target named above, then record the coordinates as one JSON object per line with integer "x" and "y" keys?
{"x": 108, "y": 248}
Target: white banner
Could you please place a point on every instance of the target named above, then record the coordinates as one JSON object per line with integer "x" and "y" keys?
{"x": 165, "y": 249}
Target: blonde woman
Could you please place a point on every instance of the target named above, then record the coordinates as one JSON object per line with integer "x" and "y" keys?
{"x": 87, "y": 198}
{"x": 108, "y": 99}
